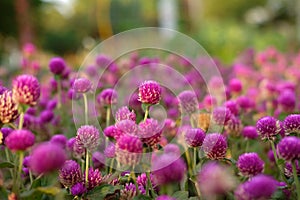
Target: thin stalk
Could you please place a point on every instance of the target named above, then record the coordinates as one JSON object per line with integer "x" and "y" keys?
{"x": 132, "y": 174}
{"x": 188, "y": 159}
{"x": 30, "y": 177}
{"x": 86, "y": 167}
{"x": 276, "y": 161}
{"x": 146, "y": 112}
{"x": 59, "y": 93}
{"x": 247, "y": 145}
{"x": 12, "y": 126}
{"x": 108, "y": 112}
{"x": 8, "y": 160}
{"x": 21, "y": 120}
{"x": 195, "y": 158}
{"x": 149, "y": 184}
{"x": 192, "y": 121}
{"x": 17, "y": 178}
{"x": 111, "y": 165}
{"x": 296, "y": 180}
{"x": 85, "y": 108}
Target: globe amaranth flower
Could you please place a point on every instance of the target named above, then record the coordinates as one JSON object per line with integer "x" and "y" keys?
{"x": 110, "y": 151}
{"x": 188, "y": 102}
{"x": 59, "y": 139}
{"x": 98, "y": 160}
{"x": 94, "y": 178}
{"x": 47, "y": 157}
{"x": 249, "y": 132}
{"x": 19, "y": 140}
{"x": 82, "y": 85}
{"x": 268, "y": 127}
{"x": 287, "y": 101}
{"x": 78, "y": 189}
{"x": 107, "y": 97}
{"x": 129, "y": 192}
{"x": 129, "y": 150}
{"x": 124, "y": 113}
{"x": 221, "y": 115}
{"x": 127, "y": 126}
{"x": 150, "y": 132}
{"x": 88, "y": 137}
{"x": 57, "y": 65}
{"x": 70, "y": 173}
{"x": 288, "y": 170}
{"x": 113, "y": 132}
{"x": 172, "y": 149}
{"x": 215, "y": 146}
{"x": 291, "y": 124}
{"x": 2, "y": 89}
{"x": 46, "y": 116}
{"x": 259, "y": 187}
{"x": 232, "y": 106}
{"x": 26, "y": 89}
{"x": 168, "y": 168}
{"x": 8, "y": 108}
{"x": 215, "y": 179}
{"x": 289, "y": 148}
{"x": 234, "y": 126}
{"x": 235, "y": 85}
{"x": 250, "y": 164}
{"x": 194, "y": 137}
{"x": 149, "y": 92}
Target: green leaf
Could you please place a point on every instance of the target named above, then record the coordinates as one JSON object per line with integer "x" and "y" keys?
{"x": 49, "y": 190}
{"x": 36, "y": 183}
{"x": 31, "y": 194}
{"x": 194, "y": 198}
{"x": 182, "y": 195}
{"x": 142, "y": 197}
{"x": 280, "y": 161}
{"x": 3, "y": 193}
{"x": 100, "y": 192}
{"x": 7, "y": 165}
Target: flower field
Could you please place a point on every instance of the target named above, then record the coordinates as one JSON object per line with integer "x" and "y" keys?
{"x": 232, "y": 136}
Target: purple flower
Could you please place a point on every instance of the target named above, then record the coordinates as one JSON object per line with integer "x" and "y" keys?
{"x": 271, "y": 156}
{"x": 129, "y": 150}
{"x": 291, "y": 124}
{"x": 59, "y": 139}
{"x": 259, "y": 187}
{"x": 268, "y": 127}
{"x": 110, "y": 151}
{"x": 288, "y": 170}
{"x": 98, "y": 160}
{"x": 70, "y": 173}
{"x": 128, "y": 192}
{"x": 94, "y": 178}
{"x": 57, "y": 65}
{"x": 172, "y": 149}
{"x": 250, "y": 164}
{"x": 215, "y": 146}
{"x": 19, "y": 140}
{"x": 188, "y": 102}
{"x": 127, "y": 126}
{"x": 107, "y": 97}
{"x": 88, "y": 137}
{"x": 165, "y": 197}
{"x": 8, "y": 108}
{"x": 287, "y": 101}
{"x": 124, "y": 113}
{"x": 150, "y": 132}
{"x": 215, "y": 179}
{"x": 78, "y": 189}
{"x": 234, "y": 126}
{"x": 245, "y": 103}
{"x": 82, "y": 85}
{"x": 249, "y": 132}
{"x": 47, "y": 157}
{"x": 5, "y": 132}
{"x": 26, "y": 89}
{"x": 232, "y": 106}
{"x": 235, "y": 85}
{"x": 149, "y": 92}
{"x": 113, "y": 132}
{"x": 2, "y": 89}
{"x": 26, "y": 161}
{"x": 194, "y": 137}
{"x": 70, "y": 143}
{"x": 289, "y": 148}
{"x": 168, "y": 168}
{"x": 51, "y": 105}
{"x": 46, "y": 116}
{"x": 221, "y": 115}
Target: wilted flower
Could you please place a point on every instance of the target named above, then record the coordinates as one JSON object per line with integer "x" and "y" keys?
{"x": 88, "y": 137}
{"x": 70, "y": 173}
{"x": 250, "y": 164}
{"x": 8, "y": 108}
{"x": 215, "y": 146}
{"x": 149, "y": 92}
{"x": 26, "y": 89}
{"x": 188, "y": 102}
{"x": 289, "y": 148}
{"x": 19, "y": 140}
{"x": 268, "y": 127}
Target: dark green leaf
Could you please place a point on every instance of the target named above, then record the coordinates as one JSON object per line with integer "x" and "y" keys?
{"x": 280, "y": 161}
{"x": 182, "y": 195}
{"x": 3, "y": 193}
{"x": 142, "y": 197}
{"x": 101, "y": 191}
{"x": 36, "y": 183}
{"x": 7, "y": 165}
{"x": 31, "y": 194}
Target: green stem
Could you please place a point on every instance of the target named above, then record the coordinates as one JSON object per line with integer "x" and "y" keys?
{"x": 146, "y": 112}
{"x": 296, "y": 180}
{"x": 8, "y": 160}
{"x": 21, "y": 120}
{"x": 132, "y": 174}
{"x": 149, "y": 184}
{"x": 86, "y": 166}
{"x": 59, "y": 93}
{"x": 111, "y": 165}
{"x": 247, "y": 145}
{"x": 276, "y": 162}
{"x": 192, "y": 121}
{"x": 108, "y": 112}
{"x": 195, "y": 158}
{"x": 17, "y": 178}
{"x": 188, "y": 159}
{"x": 12, "y": 126}
{"x": 85, "y": 108}
{"x": 30, "y": 177}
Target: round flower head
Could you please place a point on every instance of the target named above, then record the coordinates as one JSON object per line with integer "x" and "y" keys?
{"x": 221, "y": 115}
{"x": 5, "y": 132}
{"x": 249, "y": 132}
{"x": 150, "y": 132}
{"x": 26, "y": 90}
{"x": 288, "y": 170}
{"x": 59, "y": 139}
{"x": 149, "y": 92}
{"x": 110, "y": 151}
{"x": 129, "y": 192}
{"x": 259, "y": 187}
{"x": 82, "y": 85}
{"x": 232, "y": 106}
{"x": 113, "y": 132}
{"x": 168, "y": 168}
{"x": 46, "y": 116}
{"x": 250, "y": 164}
{"x": 268, "y": 127}
{"x": 287, "y": 101}
{"x": 215, "y": 179}
{"x": 245, "y": 103}
{"x": 19, "y": 140}
{"x": 70, "y": 173}
{"x": 234, "y": 126}
{"x": 57, "y": 65}
{"x": 98, "y": 160}
{"x": 78, "y": 189}
{"x": 291, "y": 124}
{"x": 235, "y": 85}
{"x": 289, "y": 148}
{"x": 127, "y": 126}
{"x": 124, "y": 113}
{"x": 129, "y": 150}
{"x": 2, "y": 89}
{"x": 172, "y": 149}
{"x": 47, "y": 157}
{"x": 94, "y": 178}
{"x": 107, "y": 97}
{"x": 194, "y": 137}
{"x": 165, "y": 197}
{"x": 215, "y": 146}
{"x": 88, "y": 137}
{"x": 8, "y": 108}
{"x": 188, "y": 102}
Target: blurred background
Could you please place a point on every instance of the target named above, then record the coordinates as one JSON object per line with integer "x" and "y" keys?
{"x": 71, "y": 28}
